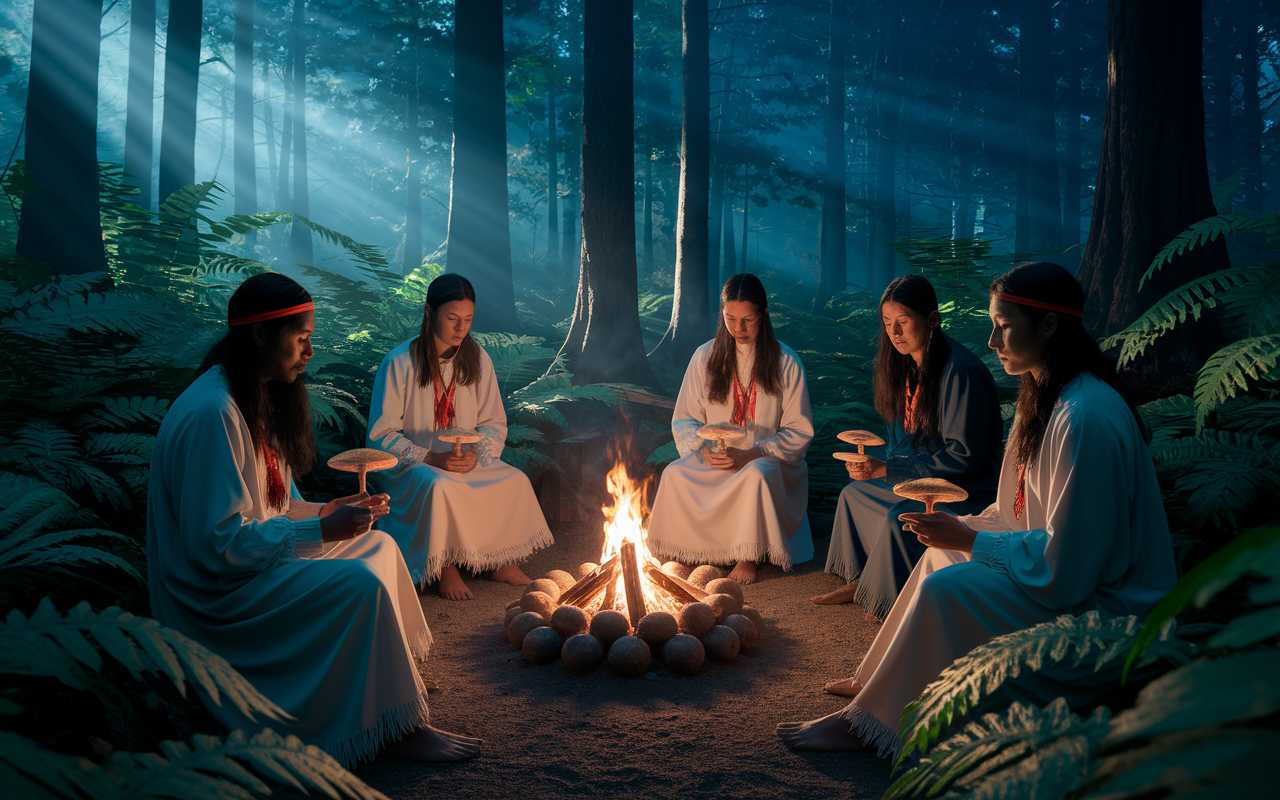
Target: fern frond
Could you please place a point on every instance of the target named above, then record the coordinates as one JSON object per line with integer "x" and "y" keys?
{"x": 30, "y": 505}
{"x": 1007, "y": 749}
{"x": 1227, "y": 762}
{"x": 664, "y": 454}
{"x": 1230, "y": 369}
{"x": 41, "y": 440}
{"x": 1254, "y": 310}
{"x": 21, "y": 550}
{"x": 1186, "y": 302}
{"x": 59, "y": 286}
{"x": 1218, "y": 445}
{"x": 111, "y": 313}
{"x": 985, "y": 668}
{"x": 1218, "y": 488}
{"x": 121, "y": 412}
{"x": 49, "y": 644}
{"x": 328, "y": 400}
{"x": 523, "y": 434}
{"x": 30, "y": 771}
{"x": 120, "y": 448}
{"x": 1206, "y": 230}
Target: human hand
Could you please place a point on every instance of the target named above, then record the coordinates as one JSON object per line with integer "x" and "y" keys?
{"x": 865, "y": 470}
{"x": 346, "y": 522}
{"x": 464, "y": 462}
{"x": 376, "y": 503}
{"x": 714, "y": 458}
{"x": 733, "y": 459}
{"x": 939, "y": 529}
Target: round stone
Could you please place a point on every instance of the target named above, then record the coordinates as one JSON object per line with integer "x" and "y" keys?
{"x": 750, "y": 613}
{"x": 569, "y": 621}
{"x": 586, "y": 569}
{"x": 723, "y": 605}
{"x": 581, "y": 654}
{"x": 521, "y": 625}
{"x": 657, "y": 628}
{"x": 683, "y": 654}
{"x": 722, "y": 643}
{"x": 563, "y": 579}
{"x": 610, "y": 626}
{"x": 726, "y": 586}
{"x": 512, "y": 613}
{"x": 629, "y": 657}
{"x": 546, "y": 586}
{"x": 541, "y": 646}
{"x": 539, "y": 603}
{"x": 748, "y": 633}
{"x": 704, "y": 574}
{"x": 677, "y": 569}
{"x": 513, "y": 604}
{"x": 696, "y": 619}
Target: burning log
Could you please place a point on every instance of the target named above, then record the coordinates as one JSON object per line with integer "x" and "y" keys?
{"x": 631, "y": 583}
{"x": 584, "y": 590}
{"x": 682, "y": 590}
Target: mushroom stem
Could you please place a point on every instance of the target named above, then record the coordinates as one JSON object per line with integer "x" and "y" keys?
{"x": 861, "y": 452}
{"x": 360, "y": 475}
{"x": 457, "y": 449}
{"x": 928, "y": 504}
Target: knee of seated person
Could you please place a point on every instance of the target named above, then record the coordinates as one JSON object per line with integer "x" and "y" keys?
{"x": 943, "y": 585}
{"x": 360, "y": 577}
{"x": 764, "y": 466}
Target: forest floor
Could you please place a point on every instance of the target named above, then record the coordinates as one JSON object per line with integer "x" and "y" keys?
{"x": 550, "y": 734}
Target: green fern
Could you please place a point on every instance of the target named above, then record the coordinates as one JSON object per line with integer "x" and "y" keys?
{"x": 1226, "y": 762}
{"x": 44, "y": 449}
{"x": 114, "y": 313}
{"x": 49, "y": 644}
{"x": 1230, "y": 369}
{"x": 329, "y": 404}
{"x": 121, "y": 412}
{"x": 985, "y": 668}
{"x": 1206, "y": 230}
{"x": 1022, "y": 743}
{"x": 1254, "y": 310}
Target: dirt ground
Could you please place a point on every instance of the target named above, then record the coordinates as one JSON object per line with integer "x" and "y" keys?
{"x": 549, "y": 734}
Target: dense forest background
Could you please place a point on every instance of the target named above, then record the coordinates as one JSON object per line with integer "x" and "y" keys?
{"x": 598, "y": 167}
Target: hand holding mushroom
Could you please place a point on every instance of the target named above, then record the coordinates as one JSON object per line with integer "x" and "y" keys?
{"x": 719, "y": 456}
{"x": 941, "y": 530}
{"x": 458, "y": 460}
{"x": 861, "y": 467}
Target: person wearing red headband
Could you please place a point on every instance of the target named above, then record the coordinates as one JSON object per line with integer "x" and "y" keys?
{"x": 315, "y": 609}
{"x": 1078, "y": 525}
{"x": 471, "y": 510}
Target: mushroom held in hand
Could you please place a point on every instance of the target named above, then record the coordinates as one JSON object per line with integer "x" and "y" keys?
{"x": 861, "y": 439}
{"x": 362, "y": 460}
{"x": 458, "y": 437}
{"x": 719, "y": 431}
{"x": 930, "y": 491}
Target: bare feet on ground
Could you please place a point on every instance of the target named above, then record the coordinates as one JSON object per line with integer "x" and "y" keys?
{"x": 828, "y": 734}
{"x": 433, "y": 744}
{"x": 845, "y": 688}
{"x": 511, "y": 574}
{"x": 451, "y": 585}
{"x": 744, "y": 572}
{"x": 842, "y": 595}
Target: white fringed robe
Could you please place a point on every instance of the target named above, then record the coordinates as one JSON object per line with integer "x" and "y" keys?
{"x": 480, "y": 520}
{"x": 1093, "y": 536}
{"x": 328, "y": 632}
{"x": 704, "y": 515}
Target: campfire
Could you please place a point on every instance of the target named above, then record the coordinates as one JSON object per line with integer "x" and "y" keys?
{"x": 629, "y": 607}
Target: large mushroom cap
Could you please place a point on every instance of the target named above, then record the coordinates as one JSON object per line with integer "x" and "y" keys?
{"x": 925, "y": 489}
{"x": 865, "y": 438}
{"x": 850, "y": 456}
{"x": 459, "y": 436}
{"x": 721, "y": 430}
{"x": 363, "y": 459}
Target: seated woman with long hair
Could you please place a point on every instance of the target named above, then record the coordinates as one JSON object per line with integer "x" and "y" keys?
{"x": 450, "y": 511}
{"x": 940, "y": 407}
{"x": 1078, "y": 525}
{"x": 746, "y": 504}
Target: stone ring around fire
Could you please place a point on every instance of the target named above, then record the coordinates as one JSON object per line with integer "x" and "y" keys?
{"x": 719, "y": 431}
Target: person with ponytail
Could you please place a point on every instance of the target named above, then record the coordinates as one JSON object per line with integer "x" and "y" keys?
{"x": 1078, "y": 525}
{"x": 942, "y": 412}
{"x": 449, "y": 511}
{"x": 746, "y": 504}
{"x": 315, "y": 609}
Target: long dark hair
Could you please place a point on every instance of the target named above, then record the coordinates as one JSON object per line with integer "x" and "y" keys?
{"x": 724, "y": 356}
{"x": 277, "y": 414}
{"x": 894, "y": 370}
{"x": 466, "y": 361}
{"x": 1067, "y": 353}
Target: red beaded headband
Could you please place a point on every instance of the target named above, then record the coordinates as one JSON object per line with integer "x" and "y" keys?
{"x": 284, "y": 312}
{"x": 1026, "y": 301}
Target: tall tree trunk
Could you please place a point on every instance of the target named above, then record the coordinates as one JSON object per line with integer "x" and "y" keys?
{"x": 553, "y": 187}
{"x": 719, "y": 171}
{"x": 269, "y": 124}
{"x": 286, "y": 139}
{"x": 1044, "y": 203}
{"x": 181, "y": 78}
{"x": 833, "y": 271}
{"x": 647, "y": 212}
{"x": 413, "y": 149}
{"x": 60, "y": 224}
{"x": 604, "y": 342}
{"x": 1153, "y": 181}
{"x": 1224, "y": 54}
{"x": 1073, "y": 140}
{"x": 1250, "y": 112}
{"x": 299, "y": 234}
{"x": 141, "y": 98}
{"x": 690, "y": 325}
{"x": 888, "y": 108}
{"x": 246, "y": 170}
{"x": 479, "y": 245}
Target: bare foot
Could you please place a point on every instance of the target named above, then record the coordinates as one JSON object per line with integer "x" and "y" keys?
{"x": 433, "y": 744}
{"x": 511, "y": 574}
{"x": 828, "y": 734}
{"x": 744, "y": 572}
{"x": 842, "y": 595}
{"x": 872, "y": 618}
{"x": 452, "y": 586}
{"x": 845, "y": 688}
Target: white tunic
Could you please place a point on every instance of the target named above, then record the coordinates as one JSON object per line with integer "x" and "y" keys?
{"x": 328, "y": 632}
{"x": 704, "y": 515}
{"x": 482, "y": 519}
{"x": 1093, "y": 536}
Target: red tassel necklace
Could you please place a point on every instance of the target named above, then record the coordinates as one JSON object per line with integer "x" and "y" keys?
{"x": 913, "y": 401}
{"x": 744, "y": 403}
{"x": 445, "y": 412}
{"x": 1020, "y": 499}
{"x": 277, "y": 496}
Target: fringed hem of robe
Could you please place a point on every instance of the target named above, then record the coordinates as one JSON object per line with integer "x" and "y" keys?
{"x": 748, "y": 551}
{"x": 873, "y": 733}
{"x": 478, "y": 561}
{"x": 877, "y": 604}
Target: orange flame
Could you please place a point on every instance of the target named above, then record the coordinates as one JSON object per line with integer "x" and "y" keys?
{"x": 624, "y": 522}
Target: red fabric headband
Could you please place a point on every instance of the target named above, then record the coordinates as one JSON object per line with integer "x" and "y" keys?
{"x": 283, "y": 312}
{"x": 1026, "y": 301}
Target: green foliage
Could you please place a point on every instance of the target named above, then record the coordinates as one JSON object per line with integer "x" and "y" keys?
{"x": 1231, "y": 368}
{"x": 1206, "y": 230}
